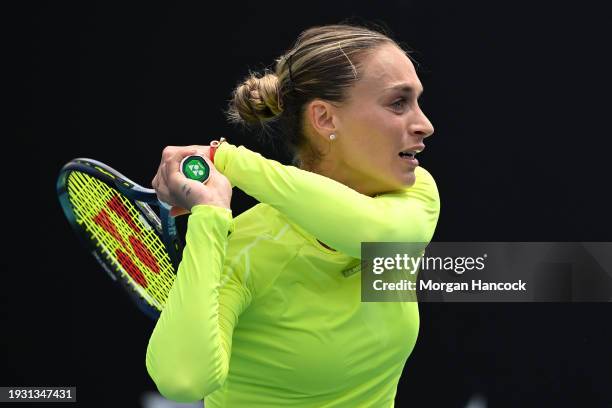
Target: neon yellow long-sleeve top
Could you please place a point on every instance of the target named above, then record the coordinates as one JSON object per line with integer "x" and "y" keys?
{"x": 265, "y": 317}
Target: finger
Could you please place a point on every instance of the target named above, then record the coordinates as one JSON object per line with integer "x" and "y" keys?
{"x": 198, "y": 147}
{"x": 168, "y": 152}
{"x": 214, "y": 173}
{"x": 172, "y": 167}
{"x": 163, "y": 194}
{"x": 163, "y": 187}
{"x": 203, "y": 151}
{"x": 162, "y": 174}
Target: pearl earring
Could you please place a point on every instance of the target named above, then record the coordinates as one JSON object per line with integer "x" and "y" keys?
{"x": 332, "y": 136}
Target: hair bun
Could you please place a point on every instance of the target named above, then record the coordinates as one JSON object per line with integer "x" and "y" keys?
{"x": 256, "y": 100}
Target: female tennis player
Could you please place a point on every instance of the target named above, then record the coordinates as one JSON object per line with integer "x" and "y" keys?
{"x": 263, "y": 312}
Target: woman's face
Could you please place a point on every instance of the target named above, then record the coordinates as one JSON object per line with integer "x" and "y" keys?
{"x": 381, "y": 119}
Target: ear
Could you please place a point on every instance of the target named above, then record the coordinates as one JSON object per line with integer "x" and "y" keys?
{"x": 322, "y": 116}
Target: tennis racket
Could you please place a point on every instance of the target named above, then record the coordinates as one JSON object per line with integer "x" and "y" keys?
{"x": 129, "y": 231}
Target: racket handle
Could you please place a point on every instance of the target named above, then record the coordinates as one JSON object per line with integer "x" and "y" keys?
{"x": 194, "y": 168}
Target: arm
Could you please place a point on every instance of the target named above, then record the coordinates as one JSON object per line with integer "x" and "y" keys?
{"x": 334, "y": 213}
{"x": 189, "y": 351}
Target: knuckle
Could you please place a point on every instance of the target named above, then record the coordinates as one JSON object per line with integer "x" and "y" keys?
{"x": 167, "y": 152}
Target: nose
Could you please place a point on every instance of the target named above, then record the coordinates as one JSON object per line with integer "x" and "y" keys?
{"x": 421, "y": 126}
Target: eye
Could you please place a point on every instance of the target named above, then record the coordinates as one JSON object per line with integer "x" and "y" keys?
{"x": 399, "y": 104}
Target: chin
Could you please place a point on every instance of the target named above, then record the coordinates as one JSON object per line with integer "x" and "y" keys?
{"x": 407, "y": 179}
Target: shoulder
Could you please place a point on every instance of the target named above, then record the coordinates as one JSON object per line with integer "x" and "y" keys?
{"x": 426, "y": 184}
{"x": 424, "y": 188}
{"x": 424, "y": 180}
{"x": 424, "y": 174}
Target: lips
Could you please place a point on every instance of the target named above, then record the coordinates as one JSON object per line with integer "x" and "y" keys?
{"x": 412, "y": 151}
{"x": 409, "y": 156}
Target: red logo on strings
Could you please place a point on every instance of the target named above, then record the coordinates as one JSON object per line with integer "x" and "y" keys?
{"x": 135, "y": 247}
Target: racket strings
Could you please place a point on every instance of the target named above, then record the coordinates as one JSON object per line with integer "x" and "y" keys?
{"x": 125, "y": 237}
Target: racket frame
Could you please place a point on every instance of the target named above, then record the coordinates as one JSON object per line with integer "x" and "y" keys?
{"x": 143, "y": 198}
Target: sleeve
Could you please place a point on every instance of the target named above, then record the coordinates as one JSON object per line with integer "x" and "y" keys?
{"x": 331, "y": 211}
{"x": 189, "y": 350}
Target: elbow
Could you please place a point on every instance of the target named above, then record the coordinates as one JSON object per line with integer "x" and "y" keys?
{"x": 183, "y": 385}
{"x": 179, "y": 390}
{"x": 183, "y": 389}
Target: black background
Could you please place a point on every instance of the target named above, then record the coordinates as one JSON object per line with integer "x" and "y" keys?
{"x": 516, "y": 92}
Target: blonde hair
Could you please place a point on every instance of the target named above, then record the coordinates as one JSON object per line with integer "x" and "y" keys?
{"x": 323, "y": 63}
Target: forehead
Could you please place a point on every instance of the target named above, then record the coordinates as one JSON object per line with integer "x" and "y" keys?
{"x": 385, "y": 67}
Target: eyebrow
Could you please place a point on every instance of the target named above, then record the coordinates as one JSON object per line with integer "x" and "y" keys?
{"x": 404, "y": 88}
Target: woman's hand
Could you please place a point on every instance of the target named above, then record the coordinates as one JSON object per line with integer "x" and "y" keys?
{"x": 177, "y": 190}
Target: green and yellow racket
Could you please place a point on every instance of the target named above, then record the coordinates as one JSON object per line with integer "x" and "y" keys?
{"x": 126, "y": 228}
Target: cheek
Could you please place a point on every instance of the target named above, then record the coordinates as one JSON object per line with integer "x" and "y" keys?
{"x": 373, "y": 137}
{"x": 374, "y": 126}
{"x": 381, "y": 136}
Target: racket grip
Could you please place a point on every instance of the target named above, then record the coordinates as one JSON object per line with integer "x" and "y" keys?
{"x": 194, "y": 168}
